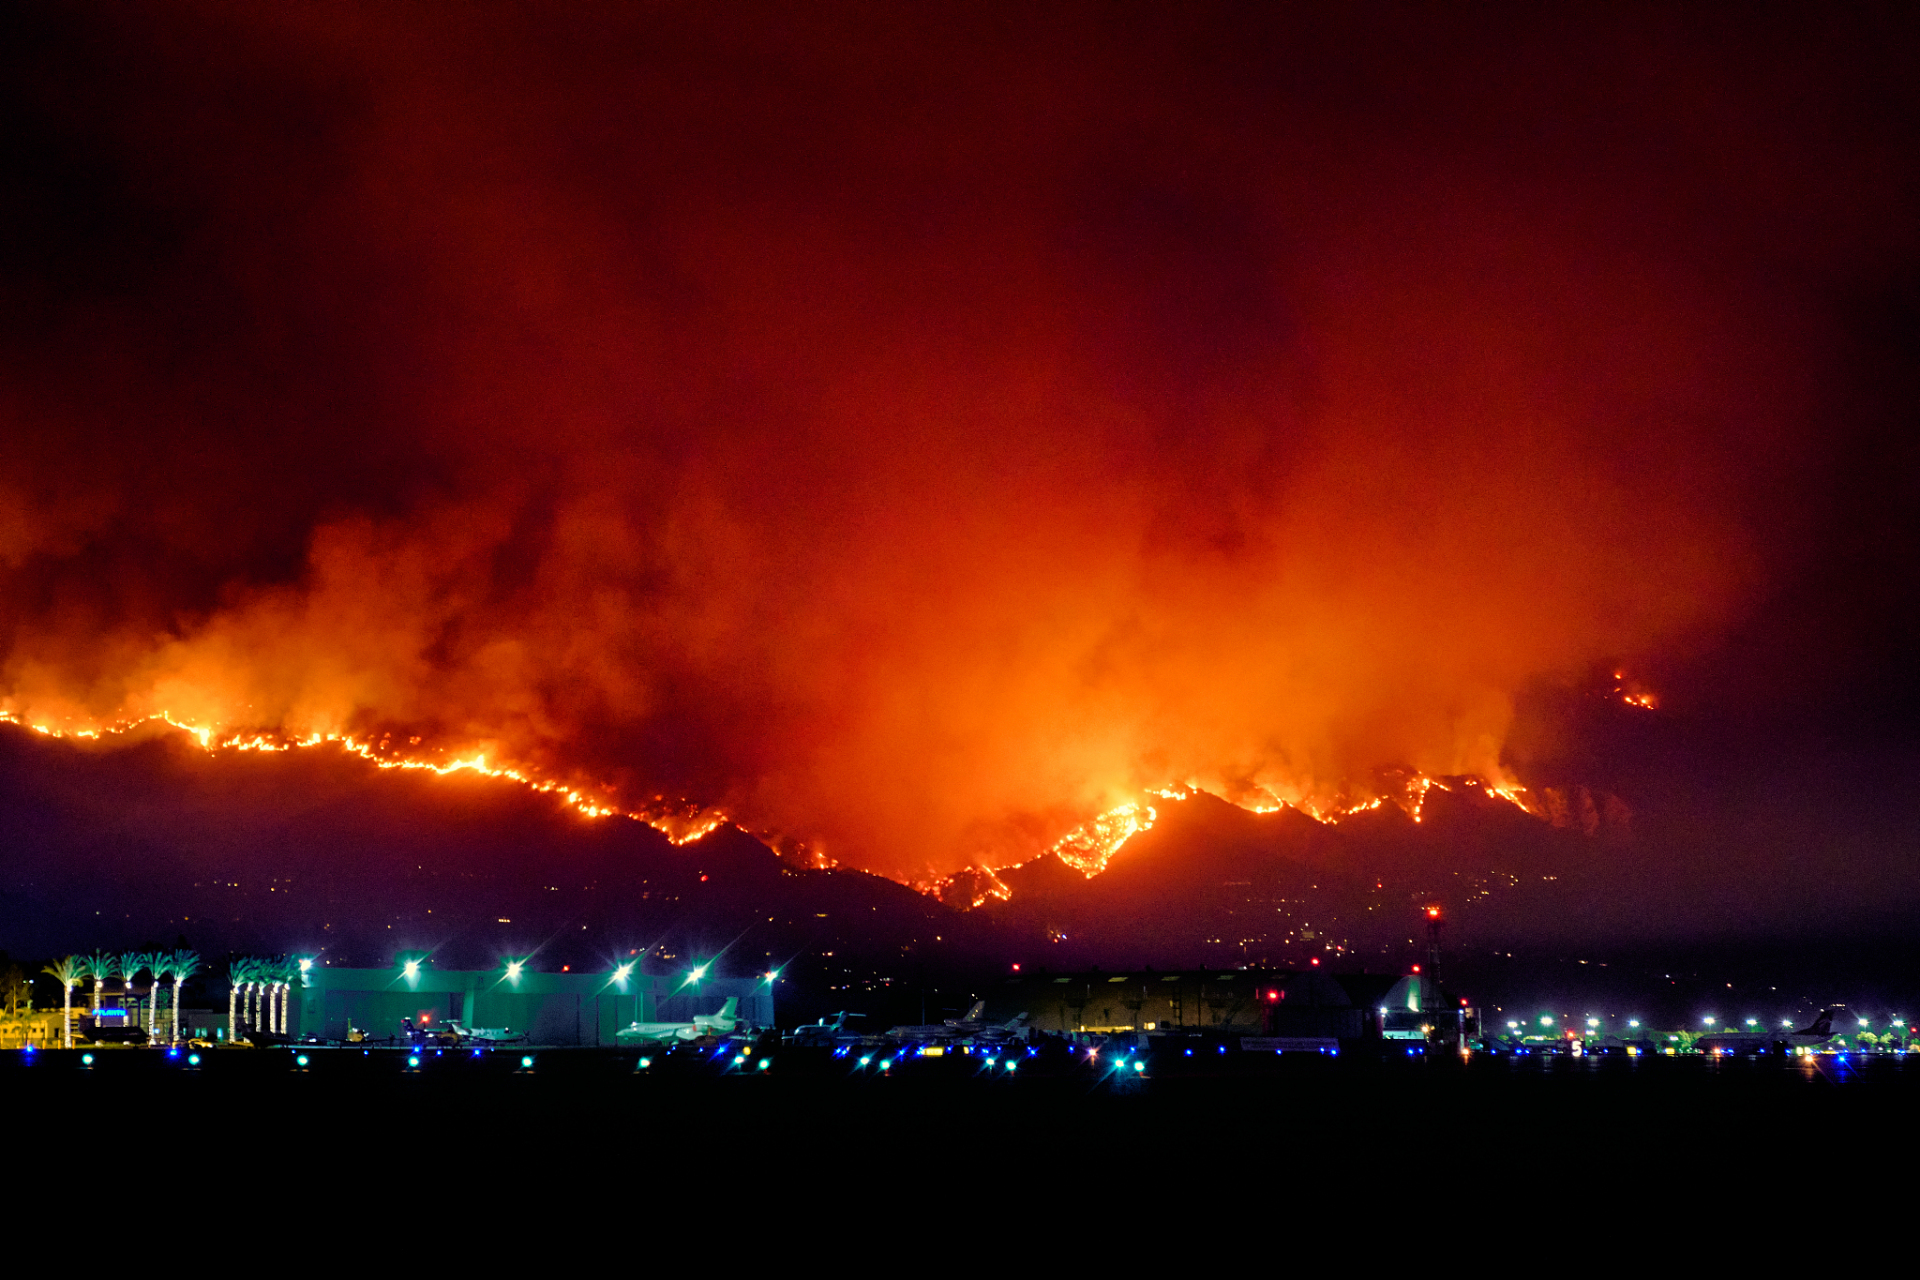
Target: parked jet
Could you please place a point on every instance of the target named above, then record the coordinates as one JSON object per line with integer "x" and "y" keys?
{"x": 951, "y": 1029}
{"x": 703, "y": 1024}
{"x": 453, "y": 1033}
{"x": 827, "y": 1035}
{"x": 1761, "y": 1040}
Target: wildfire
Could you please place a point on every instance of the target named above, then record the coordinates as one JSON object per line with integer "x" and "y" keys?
{"x": 1633, "y": 693}
{"x": 1089, "y": 846}
{"x": 680, "y": 823}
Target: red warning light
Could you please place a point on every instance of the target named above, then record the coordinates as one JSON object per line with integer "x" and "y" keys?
{"x": 1433, "y": 913}
{"x": 1316, "y": 960}
{"x": 1416, "y": 968}
{"x": 1016, "y": 968}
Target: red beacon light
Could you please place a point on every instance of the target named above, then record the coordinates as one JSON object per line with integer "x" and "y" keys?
{"x": 1416, "y": 968}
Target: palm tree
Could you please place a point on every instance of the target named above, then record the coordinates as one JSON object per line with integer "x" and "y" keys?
{"x": 68, "y": 973}
{"x": 287, "y": 971}
{"x": 183, "y": 966}
{"x": 100, "y": 967}
{"x": 160, "y": 963}
{"x": 256, "y": 975}
{"x": 132, "y": 965}
{"x": 239, "y": 972}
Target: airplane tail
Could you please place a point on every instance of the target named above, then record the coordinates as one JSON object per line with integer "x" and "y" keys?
{"x": 974, "y": 1014}
{"x": 1015, "y": 1023}
{"x": 1822, "y": 1025}
{"x": 730, "y": 1011}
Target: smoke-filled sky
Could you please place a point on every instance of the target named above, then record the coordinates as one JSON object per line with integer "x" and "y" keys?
{"x": 914, "y": 429}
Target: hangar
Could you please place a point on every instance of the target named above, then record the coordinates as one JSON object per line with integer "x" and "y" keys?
{"x": 583, "y": 1009}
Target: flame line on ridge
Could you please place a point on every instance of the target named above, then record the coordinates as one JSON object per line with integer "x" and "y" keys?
{"x": 677, "y": 832}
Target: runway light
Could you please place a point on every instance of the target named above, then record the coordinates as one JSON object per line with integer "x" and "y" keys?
{"x": 763, "y": 1064}
{"x": 413, "y": 1060}
{"x": 193, "y": 1059}
{"x": 526, "y": 1061}
{"x": 867, "y": 1060}
{"x": 86, "y": 1059}
{"x": 1139, "y": 1067}
{"x": 301, "y": 1060}
{"x": 645, "y": 1063}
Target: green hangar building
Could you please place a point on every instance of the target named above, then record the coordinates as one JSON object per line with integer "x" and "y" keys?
{"x": 574, "y": 1009}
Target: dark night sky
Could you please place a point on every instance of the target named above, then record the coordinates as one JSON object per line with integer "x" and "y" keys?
{"x": 915, "y": 430}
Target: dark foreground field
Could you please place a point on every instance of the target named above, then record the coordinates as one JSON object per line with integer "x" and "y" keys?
{"x": 344, "y": 1115}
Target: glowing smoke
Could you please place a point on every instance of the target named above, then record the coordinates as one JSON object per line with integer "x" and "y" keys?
{"x": 913, "y": 443}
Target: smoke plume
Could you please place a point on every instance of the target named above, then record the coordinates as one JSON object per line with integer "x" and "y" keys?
{"x": 910, "y": 433}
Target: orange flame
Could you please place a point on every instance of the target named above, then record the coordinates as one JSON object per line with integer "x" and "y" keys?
{"x": 681, "y": 824}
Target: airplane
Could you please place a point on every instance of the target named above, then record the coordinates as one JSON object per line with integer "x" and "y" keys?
{"x": 970, "y": 1028}
{"x": 951, "y": 1029}
{"x": 1761, "y": 1040}
{"x": 453, "y": 1033}
{"x": 703, "y": 1024}
{"x": 1014, "y": 1028}
{"x": 827, "y": 1035}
